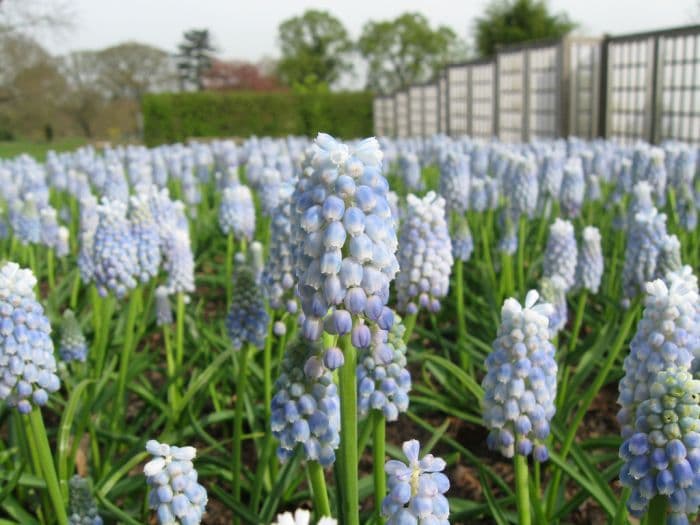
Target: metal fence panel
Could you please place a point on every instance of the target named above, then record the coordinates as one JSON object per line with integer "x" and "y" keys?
{"x": 457, "y": 87}
{"x": 482, "y": 78}
{"x": 582, "y": 63}
{"x": 384, "y": 118}
{"x": 378, "y": 116}
{"x": 543, "y": 93}
{"x": 430, "y": 109}
{"x": 442, "y": 103}
{"x": 679, "y": 82}
{"x": 415, "y": 111}
{"x": 511, "y": 68}
{"x": 629, "y": 89}
{"x": 401, "y": 111}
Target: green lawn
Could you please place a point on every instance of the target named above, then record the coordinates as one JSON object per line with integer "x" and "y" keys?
{"x": 38, "y": 149}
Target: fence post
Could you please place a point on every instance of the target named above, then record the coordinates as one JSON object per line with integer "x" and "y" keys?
{"x": 604, "y": 91}
{"x": 657, "y": 70}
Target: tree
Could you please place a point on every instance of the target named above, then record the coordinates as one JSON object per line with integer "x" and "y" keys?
{"x": 35, "y": 17}
{"x": 131, "y": 69}
{"x": 194, "y": 58}
{"x": 512, "y": 21}
{"x": 315, "y": 46}
{"x": 229, "y": 75}
{"x": 405, "y": 51}
{"x": 84, "y": 100}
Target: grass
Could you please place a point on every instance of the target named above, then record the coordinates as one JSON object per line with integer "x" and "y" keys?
{"x": 38, "y": 150}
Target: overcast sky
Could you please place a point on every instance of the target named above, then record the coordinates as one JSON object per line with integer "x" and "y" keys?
{"x": 247, "y": 29}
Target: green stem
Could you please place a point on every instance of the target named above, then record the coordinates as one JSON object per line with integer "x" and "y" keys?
{"x": 229, "y": 267}
{"x": 409, "y": 321}
{"x": 521, "y": 256}
{"x": 322, "y": 507}
{"x": 74, "y": 291}
{"x": 173, "y": 396}
{"x": 578, "y": 320}
{"x": 522, "y": 491}
{"x": 238, "y": 420}
{"x": 461, "y": 320}
{"x": 379, "y": 453}
{"x": 125, "y": 357}
{"x": 179, "y": 332}
{"x": 657, "y": 509}
{"x": 44, "y": 452}
{"x": 50, "y": 268}
{"x": 348, "y": 433}
{"x": 591, "y": 392}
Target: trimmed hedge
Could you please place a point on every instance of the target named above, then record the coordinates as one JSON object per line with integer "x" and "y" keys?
{"x": 174, "y": 117}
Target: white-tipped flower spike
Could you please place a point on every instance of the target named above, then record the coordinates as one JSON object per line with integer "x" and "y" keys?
{"x": 656, "y": 174}
{"x": 520, "y": 385}
{"x": 305, "y": 405}
{"x": 82, "y": 508}
{"x": 662, "y": 453}
{"x": 301, "y": 517}
{"x": 551, "y": 174}
{"x": 383, "y": 381}
{"x": 478, "y": 196}
{"x": 278, "y": 275}
{"x": 425, "y": 255}
{"x": 73, "y": 346}
{"x": 455, "y": 182}
{"x": 89, "y": 218}
{"x": 589, "y": 269}
{"x": 146, "y": 235}
{"x": 176, "y": 496}
{"x": 640, "y": 201}
{"x": 179, "y": 261}
{"x": 25, "y": 220}
{"x": 237, "y": 212}
{"x": 409, "y": 170}
{"x": 164, "y": 309}
{"x": 573, "y": 188}
{"x": 62, "y": 245}
{"x": 345, "y": 242}
{"x": 416, "y": 489}
{"x": 553, "y": 291}
{"x": 462, "y": 241}
{"x": 27, "y": 364}
{"x": 521, "y": 187}
{"x": 645, "y": 238}
{"x": 247, "y": 318}
{"x": 669, "y": 259}
{"x": 508, "y": 243}
{"x": 561, "y": 253}
{"x": 115, "y": 250}
{"x": 666, "y": 338}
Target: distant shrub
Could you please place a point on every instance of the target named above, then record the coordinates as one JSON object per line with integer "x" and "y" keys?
{"x": 173, "y": 117}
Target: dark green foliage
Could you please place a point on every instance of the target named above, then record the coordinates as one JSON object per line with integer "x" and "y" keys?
{"x": 315, "y": 47}
{"x": 194, "y": 57}
{"x": 513, "y": 21}
{"x": 176, "y": 117}
{"x": 406, "y": 50}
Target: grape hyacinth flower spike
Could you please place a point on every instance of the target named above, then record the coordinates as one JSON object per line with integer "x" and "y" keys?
{"x": 560, "y": 256}
{"x": 27, "y": 363}
{"x": 345, "y": 246}
{"x": 305, "y": 405}
{"x": 82, "y": 508}
{"x": 176, "y": 496}
{"x": 425, "y": 255}
{"x": 73, "y": 346}
{"x": 521, "y": 380}
{"x": 416, "y": 489}
{"x": 589, "y": 269}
